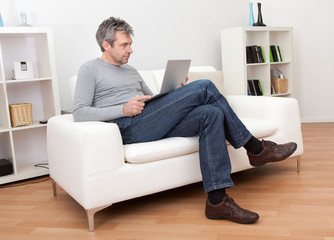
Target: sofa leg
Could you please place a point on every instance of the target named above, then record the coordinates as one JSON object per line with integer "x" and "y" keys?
{"x": 54, "y": 188}
{"x": 90, "y": 216}
{"x": 298, "y": 164}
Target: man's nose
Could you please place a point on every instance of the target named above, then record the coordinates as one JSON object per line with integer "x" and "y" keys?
{"x": 129, "y": 49}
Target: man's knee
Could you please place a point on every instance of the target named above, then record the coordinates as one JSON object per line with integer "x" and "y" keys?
{"x": 211, "y": 112}
{"x": 203, "y": 83}
{"x": 207, "y": 85}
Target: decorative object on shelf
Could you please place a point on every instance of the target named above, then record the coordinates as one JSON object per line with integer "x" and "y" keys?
{"x": 1, "y": 22}
{"x": 24, "y": 21}
{"x": 278, "y": 82}
{"x": 20, "y": 114}
{"x": 259, "y": 17}
{"x": 22, "y": 70}
{"x": 251, "y": 15}
{"x": 6, "y": 167}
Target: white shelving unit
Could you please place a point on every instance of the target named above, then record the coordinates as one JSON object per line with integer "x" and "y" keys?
{"x": 25, "y": 146}
{"x": 237, "y": 71}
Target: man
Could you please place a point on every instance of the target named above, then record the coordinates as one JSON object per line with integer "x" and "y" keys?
{"x": 108, "y": 89}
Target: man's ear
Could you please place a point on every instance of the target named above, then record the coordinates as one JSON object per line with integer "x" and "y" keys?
{"x": 105, "y": 45}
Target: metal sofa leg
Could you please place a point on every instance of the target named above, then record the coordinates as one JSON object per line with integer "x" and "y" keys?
{"x": 298, "y": 164}
{"x": 90, "y": 216}
{"x": 54, "y": 187}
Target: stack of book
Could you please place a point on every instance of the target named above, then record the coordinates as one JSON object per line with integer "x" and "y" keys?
{"x": 254, "y": 87}
{"x": 275, "y": 54}
{"x": 255, "y": 54}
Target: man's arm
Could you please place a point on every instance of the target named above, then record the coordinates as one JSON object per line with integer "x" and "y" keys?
{"x": 83, "y": 99}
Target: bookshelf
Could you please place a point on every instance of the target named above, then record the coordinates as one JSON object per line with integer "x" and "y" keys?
{"x": 237, "y": 70}
{"x": 25, "y": 146}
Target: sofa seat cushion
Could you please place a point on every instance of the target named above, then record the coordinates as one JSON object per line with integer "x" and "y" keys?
{"x": 161, "y": 149}
{"x": 178, "y": 146}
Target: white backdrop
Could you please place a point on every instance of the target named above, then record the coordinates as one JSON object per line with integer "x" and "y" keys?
{"x": 172, "y": 29}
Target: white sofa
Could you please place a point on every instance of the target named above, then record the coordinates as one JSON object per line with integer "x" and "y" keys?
{"x": 89, "y": 161}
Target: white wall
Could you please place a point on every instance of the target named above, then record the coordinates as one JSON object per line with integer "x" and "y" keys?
{"x": 167, "y": 29}
{"x": 313, "y": 63}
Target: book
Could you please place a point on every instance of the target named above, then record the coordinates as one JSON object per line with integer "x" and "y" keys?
{"x": 250, "y": 87}
{"x": 254, "y": 87}
{"x": 274, "y": 53}
{"x": 279, "y": 53}
{"x": 249, "y": 56}
{"x": 263, "y": 56}
{"x": 254, "y": 54}
{"x": 258, "y": 87}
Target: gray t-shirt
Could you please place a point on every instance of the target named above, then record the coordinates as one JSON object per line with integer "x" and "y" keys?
{"x": 102, "y": 89}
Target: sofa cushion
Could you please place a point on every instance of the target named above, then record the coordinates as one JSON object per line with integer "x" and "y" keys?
{"x": 178, "y": 146}
{"x": 215, "y": 77}
{"x": 150, "y": 81}
{"x": 161, "y": 149}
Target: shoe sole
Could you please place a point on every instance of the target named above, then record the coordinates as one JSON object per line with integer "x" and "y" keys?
{"x": 277, "y": 160}
{"x": 220, "y": 217}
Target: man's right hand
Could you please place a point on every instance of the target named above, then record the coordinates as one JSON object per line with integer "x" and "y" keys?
{"x": 135, "y": 105}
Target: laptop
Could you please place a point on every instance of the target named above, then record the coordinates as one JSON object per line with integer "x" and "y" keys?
{"x": 175, "y": 75}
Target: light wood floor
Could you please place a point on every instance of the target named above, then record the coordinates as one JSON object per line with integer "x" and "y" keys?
{"x": 291, "y": 205}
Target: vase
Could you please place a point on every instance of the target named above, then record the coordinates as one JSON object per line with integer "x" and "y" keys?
{"x": 1, "y": 22}
{"x": 259, "y": 17}
{"x": 251, "y": 16}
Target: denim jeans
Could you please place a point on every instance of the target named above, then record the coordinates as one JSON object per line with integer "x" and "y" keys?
{"x": 197, "y": 108}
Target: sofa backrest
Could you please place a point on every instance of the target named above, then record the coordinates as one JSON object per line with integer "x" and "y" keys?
{"x": 153, "y": 78}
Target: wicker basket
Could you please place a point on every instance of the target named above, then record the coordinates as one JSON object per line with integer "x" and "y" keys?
{"x": 20, "y": 114}
{"x": 280, "y": 85}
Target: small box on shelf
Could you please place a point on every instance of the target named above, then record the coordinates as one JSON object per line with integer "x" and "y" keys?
{"x": 20, "y": 114}
{"x": 280, "y": 85}
{"x": 6, "y": 167}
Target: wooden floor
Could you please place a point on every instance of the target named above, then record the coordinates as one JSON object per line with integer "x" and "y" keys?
{"x": 291, "y": 205}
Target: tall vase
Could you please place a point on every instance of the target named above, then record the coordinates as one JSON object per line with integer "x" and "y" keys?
{"x": 1, "y": 22}
{"x": 259, "y": 17}
{"x": 251, "y": 16}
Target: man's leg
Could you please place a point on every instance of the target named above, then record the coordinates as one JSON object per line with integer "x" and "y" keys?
{"x": 161, "y": 115}
{"x": 208, "y": 122}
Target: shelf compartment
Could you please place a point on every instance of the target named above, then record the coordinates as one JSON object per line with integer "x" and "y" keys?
{"x": 25, "y": 171}
{"x": 282, "y": 39}
{"x": 260, "y": 72}
{"x": 32, "y": 48}
{"x": 38, "y": 93}
{"x": 30, "y": 145}
{"x": 6, "y": 151}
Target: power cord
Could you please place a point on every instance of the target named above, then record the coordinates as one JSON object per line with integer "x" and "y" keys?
{"x": 42, "y": 165}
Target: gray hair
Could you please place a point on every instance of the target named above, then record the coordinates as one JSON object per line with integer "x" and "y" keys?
{"x": 108, "y": 28}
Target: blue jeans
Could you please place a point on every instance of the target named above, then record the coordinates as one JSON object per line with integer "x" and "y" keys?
{"x": 198, "y": 108}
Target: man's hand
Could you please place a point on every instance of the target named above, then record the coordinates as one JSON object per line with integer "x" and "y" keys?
{"x": 135, "y": 105}
{"x": 187, "y": 78}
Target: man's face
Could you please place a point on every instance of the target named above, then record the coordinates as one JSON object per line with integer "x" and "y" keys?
{"x": 121, "y": 50}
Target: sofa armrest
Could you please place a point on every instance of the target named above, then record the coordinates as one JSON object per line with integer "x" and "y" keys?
{"x": 284, "y": 112}
{"x": 79, "y": 149}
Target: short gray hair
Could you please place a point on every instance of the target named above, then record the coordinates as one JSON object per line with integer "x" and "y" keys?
{"x": 108, "y": 28}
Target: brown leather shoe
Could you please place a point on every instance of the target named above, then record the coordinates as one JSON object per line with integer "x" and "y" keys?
{"x": 228, "y": 209}
{"x": 272, "y": 152}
